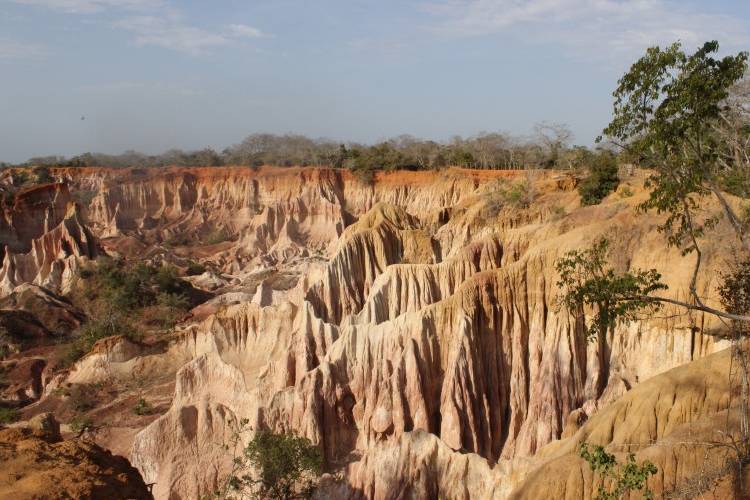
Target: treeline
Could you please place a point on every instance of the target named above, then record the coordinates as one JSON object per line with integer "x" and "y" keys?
{"x": 548, "y": 147}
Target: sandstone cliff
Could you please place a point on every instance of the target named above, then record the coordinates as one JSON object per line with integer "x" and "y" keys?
{"x": 409, "y": 327}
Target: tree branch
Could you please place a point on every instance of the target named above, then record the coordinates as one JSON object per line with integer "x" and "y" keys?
{"x": 694, "y": 307}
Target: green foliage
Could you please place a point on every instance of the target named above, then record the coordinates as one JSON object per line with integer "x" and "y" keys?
{"x": 272, "y": 465}
{"x": 108, "y": 324}
{"x": 624, "y": 478}
{"x": 143, "y": 407}
{"x": 602, "y": 178}
{"x": 7, "y": 346}
{"x": 283, "y": 461}
{"x": 217, "y": 236}
{"x": 557, "y": 212}
{"x": 171, "y": 307}
{"x": 81, "y": 423}
{"x": 129, "y": 287}
{"x": 516, "y": 195}
{"x": 670, "y": 111}
{"x": 626, "y": 192}
{"x": 586, "y": 280}
{"x": 82, "y": 397}
{"x": 8, "y": 415}
{"x": 195, "y": 268}
{"x": 42, "y": 175}
{"x": 115, "y": 294}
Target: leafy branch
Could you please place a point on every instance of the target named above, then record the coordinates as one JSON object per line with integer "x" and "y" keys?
{"x": 624, "y": 478}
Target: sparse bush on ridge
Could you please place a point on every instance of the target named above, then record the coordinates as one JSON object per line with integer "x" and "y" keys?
{"x": 120, "y": 299}
{"x": 219, "y": 235}
{"x": 8, "y": 415}
{"x": 602, "y": 177}
{"x": 517, "y": 195}
{"x": 195, "y": 268}
{"x": 143, "y": 407}
{"x": 548, "y": 147}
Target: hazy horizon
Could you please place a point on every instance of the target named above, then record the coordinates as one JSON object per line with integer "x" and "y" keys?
{"x": 152, "y": 75}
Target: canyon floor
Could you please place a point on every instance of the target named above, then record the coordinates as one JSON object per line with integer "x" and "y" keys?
{"x": 409, "y": 326}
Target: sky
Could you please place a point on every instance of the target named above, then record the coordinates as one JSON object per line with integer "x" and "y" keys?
{"x": 150, "y": 75}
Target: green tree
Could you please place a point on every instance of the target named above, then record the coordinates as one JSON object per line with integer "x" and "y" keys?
{"x": 674, "y": 111}
{"x": 587, "y": 280}
{"x": 278, "y": 466}
{"x": 602, "y": 178}
{"x": 687, "y": 118}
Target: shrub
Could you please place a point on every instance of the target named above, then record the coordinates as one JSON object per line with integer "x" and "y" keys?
{"x": 624, "y": 478}
{"x": 42, "y": 175}
{"x": 117, "y": 297}
{"x": 170, "y": 307}
{"x": 280, "y": 466}
{"x": 517, "y": 195}
{"x": 626, "y": 192}
{"x": 8, "y": 415}
{"x": 81, "y": 423}
{"x": 602, "y": 178}
{"x": 194, "y": 268}
{"x": 142, "y": 407}
{"x": 108, "y": 324}
{"x": 217, "y": 236}
{"x": 82, "y": 397}
{"x": 557, "y": 212}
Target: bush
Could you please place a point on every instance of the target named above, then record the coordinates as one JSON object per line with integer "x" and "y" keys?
{"x": 42, "y": 175}
{"x": 217, "y": 236}
{"x": 280, "y": 466}
{"x": 626, "y": 192}
{"x": 602, "y": 178}
{"x": 82, "y": 397}
{"x": 194, "y": 269}
{"x": 8, "y": 415}
{"x": 624, "y": 478}
{"x": 142, "y": 407}
{"x": 81, "y": 423}
{"x": 108, "y": 324}
{"x": 517, "y": 195}
{"x": 178, "y": 240}
{"x": 115, "y": 296}
{"x": 127, "y": 288}
{"x": 170, "y": 308}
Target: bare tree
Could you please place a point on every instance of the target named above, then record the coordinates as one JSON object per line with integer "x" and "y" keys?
{"x": 554, "y": 138}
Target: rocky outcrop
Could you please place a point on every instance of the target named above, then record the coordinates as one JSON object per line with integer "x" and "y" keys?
{"x": 35, "y": 211}
{"x": 54, "y": 257}
{"x": 38, "y": 464}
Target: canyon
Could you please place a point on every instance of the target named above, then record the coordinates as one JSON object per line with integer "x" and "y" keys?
{"x": 409, "y": 326}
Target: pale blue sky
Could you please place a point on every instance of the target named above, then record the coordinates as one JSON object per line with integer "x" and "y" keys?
{"x": 155, "y": 74}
